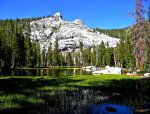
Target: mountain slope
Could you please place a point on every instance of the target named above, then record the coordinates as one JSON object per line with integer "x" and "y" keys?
{"x": 69, "y": 34}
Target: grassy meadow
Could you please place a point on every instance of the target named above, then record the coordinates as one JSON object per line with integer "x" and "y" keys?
{"x": 25, "y": 92}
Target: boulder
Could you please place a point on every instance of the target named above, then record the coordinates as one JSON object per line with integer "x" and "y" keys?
{"x": 114, "y": 70}
{"x": 147, "y": 74}
{"x": 107, "y": 67}
{"x": 109, "y": 70}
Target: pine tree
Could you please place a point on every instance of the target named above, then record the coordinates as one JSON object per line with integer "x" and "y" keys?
{"x": 89, "y": 55}
{"x": 38, "y": 54}
{"x": 55, "y": 55}
{"x": 43, "y": 58}
{"x": 6, "y": 43}
{"x": 49, "y": 56}
{"x": 1, "y": 52}
{"x": 29, "y": 53}
{"x": 101, "y": 57}
{"x": 81, "y": 53}
{"x": 147, "y": 63}
{"x": 108, "y": 56}
{"x": 61, "y": 60}
{"x": 6, "y": 57}
{"x": 129, "y": 57}
{"x": 77, "y": 58}
{"x": 13, "y": 49}
{"x": 34, "y": 57}
{"x": 5, "y": 50}
{"x": 93, "y": 56}
{"x": 69, "y": 59}
{"x": 20, "y": 48}
{"x": 85, "y": 57}
{"x": 122, "y": 53}
{"x": 117, "y": 55}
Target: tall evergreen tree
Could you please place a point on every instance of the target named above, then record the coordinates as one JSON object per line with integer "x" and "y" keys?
{"x": 122, "y": 53}
{"x": 34, "y": 56}
{"x": 108, "y": 56}
{"x": 61, "y": 60}
{"x": 1, "y": 46}
{"x": 129, "y": 57}
{"x": 81, "y": 53}
{"x": 87, "y": 56}
{"x": 38, "y": 54}
{"x": 49, "y": 55}
{"x": 13, "y": 39}
{"x": 5, "y": 49}
{"x": 93, "y": 56}
{"x": 19, "y": 48}
{"x": 43, "y": 58}
{"x": 55, "y": 55}
{"x": 69, "y": 59}
{"x": 77, "y": 58}
{"x": 29, "y": 53}
{"x": 101, "y": 57}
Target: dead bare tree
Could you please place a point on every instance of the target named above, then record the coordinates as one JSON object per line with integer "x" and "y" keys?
{"x": 140, "y": 34}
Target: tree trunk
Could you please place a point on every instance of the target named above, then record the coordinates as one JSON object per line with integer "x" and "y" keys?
{"x": 13, "y": 60}
{"x": 141, "y": 66}
{"x": 137, "y": 62}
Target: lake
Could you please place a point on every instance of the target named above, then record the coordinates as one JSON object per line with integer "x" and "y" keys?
{"x": 45, "y": 72}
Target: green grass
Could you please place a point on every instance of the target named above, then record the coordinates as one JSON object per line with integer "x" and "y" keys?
{"x": 87, "y": 80}
{"x": 9, "y": 101}
{"x": 21, "y": 92}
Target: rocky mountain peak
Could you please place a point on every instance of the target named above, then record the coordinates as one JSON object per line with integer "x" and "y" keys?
{"x": 69, "y": 34}
{"x": 57, "y": 15}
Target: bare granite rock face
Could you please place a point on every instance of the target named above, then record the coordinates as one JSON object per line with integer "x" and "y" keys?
{"x": 69, "y": 34}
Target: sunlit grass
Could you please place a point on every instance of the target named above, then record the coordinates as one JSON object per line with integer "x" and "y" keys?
{"x": 9, "y": 101}
{"x": 86, "y": 80}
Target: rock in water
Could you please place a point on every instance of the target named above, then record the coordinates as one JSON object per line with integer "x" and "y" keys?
{"x": 147, "y": 74}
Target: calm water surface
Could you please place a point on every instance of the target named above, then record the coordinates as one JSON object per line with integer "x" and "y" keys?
{"x": 44, "y": 72}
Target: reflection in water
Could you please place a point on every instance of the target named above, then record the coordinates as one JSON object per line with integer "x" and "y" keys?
{"x": 111, "y": 109}
{"x": 87, "y": 101}
{"x": 44, "y": 72}
{"x": 70, "y": 102}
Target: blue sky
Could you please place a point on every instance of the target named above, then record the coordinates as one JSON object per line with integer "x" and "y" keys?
{"x": 94, "y": 13}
